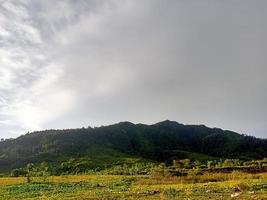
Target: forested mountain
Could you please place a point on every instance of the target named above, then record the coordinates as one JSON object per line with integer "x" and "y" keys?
{"x": 162, "y": 141}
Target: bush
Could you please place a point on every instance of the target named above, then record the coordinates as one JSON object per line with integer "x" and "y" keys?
{"x": 160, "y": 171}
{"x": 171, "y": 193}
{"x": 18, "y": 172}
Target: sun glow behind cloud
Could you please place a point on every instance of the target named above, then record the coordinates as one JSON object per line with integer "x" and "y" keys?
{"x": 29, "y": 91}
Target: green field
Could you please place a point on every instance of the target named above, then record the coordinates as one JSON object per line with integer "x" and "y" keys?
{"x": 234, "y": 185}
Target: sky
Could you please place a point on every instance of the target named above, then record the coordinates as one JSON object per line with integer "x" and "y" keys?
{"x": 70, "y": 64}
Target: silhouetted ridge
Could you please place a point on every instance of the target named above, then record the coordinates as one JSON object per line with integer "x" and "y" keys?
{"x": 167, "y": 123}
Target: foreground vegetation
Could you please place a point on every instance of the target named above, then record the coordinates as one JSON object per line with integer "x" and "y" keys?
{"x": 184, "y": 179}
{"x": 235, "y": 185}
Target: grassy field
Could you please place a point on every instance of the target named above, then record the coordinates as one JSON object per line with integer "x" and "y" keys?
{"x": 208, "y": 186}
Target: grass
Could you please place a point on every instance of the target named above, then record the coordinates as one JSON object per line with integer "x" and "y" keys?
{"x": 207, "y": 186}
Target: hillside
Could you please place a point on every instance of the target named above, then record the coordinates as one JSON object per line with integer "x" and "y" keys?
{"x": 128, "y": 142}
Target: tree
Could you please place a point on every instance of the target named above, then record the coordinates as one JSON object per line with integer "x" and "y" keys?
{"x": 160, "y": 171}
{"x": 30, "y": 170}
{"x": 211, "y": 164}
{"x": 177, "y": 164}
{"x": 228, "y": 163}
{"x": 197, "y": 164}
{"x": 185, "y": 163}
{"x": 44, "y": 170}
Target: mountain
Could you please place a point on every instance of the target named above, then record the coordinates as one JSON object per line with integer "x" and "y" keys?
{"x": 103, "y": 146}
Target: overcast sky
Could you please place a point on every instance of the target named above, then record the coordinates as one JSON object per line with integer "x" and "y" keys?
{"x": 66, "y": 63}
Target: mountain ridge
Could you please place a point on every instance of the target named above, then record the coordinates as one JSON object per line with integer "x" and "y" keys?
{"x": 161, "y": 142}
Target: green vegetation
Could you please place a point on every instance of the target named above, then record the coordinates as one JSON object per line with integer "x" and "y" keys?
{"x": 87, "y": 150}
{"x": 166, "y": 160}
{"x": 137, "y": 179}
{"x": 235, "y": 185}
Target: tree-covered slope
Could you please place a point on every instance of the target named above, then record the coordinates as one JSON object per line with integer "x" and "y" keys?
{"x": 160, "y": 142}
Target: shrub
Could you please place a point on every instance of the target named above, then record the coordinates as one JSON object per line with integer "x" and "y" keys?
{"x": 160, "y": 171}
{"x": 18, "y": 172}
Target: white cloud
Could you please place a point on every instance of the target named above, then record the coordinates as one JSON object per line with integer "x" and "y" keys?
{"x": 28, "y": 94}
{"x": 66, "y": 64}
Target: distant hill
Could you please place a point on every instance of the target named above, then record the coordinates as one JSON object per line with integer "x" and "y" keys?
{"x": 163, "y": 141}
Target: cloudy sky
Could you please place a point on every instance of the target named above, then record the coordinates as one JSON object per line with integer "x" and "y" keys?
{"x": 66, "y": 63}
